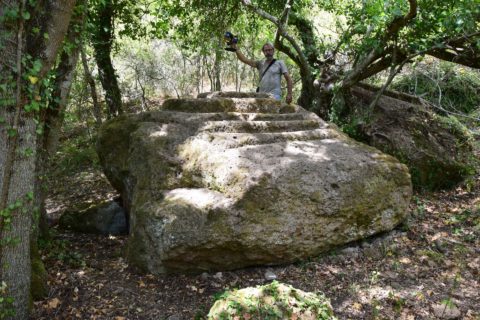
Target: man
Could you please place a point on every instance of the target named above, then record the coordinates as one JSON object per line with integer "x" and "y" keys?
{"x": 270, "y": 82}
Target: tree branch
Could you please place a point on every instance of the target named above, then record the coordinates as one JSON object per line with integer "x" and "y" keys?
{"x": 394, "y": 70}
{"x": 460, "y": 50}
{"x": 302, "y": 60}
{"x": 392, "y": 30}
{"x": 381, "y": 64}
{"x": 401, "y": 22}
{"x": 305, "y": 30}
{"x": 288, "y": 51}
{"x": 356, "y": 74}
{"x": 283, "y": 19}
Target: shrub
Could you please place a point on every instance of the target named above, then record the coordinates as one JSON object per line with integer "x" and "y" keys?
{"x": 447, "y": 85}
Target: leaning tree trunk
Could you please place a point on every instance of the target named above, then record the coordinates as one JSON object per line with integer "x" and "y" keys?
{"x": 97, "y": 110}
{"x": 53, "y": 117}
{"x": 102, "y": 42}
{"x": 64, "y": 74}
{"x": 18, "y": 140}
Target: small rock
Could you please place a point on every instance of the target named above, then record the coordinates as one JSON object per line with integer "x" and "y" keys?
{"x": 431, "y": 264}
{"x": 218, "y": 276}
{"x": 439, "y": 245}
{"x": 107, "y": 218}
{"x": 269, "y": 275}
{"x": 390, "y": 275}
{"x": 446, "y": 311}
{"x": 175, "y": 317}
{"x": 372, "y": 252}
{"x": 204, "y": 276}
{"x": 365, "y": 244}
{"x": 352, "y": 252}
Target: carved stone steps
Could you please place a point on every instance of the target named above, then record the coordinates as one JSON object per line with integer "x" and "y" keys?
{"x": 234, "y": 94}
{"x": 223, "y": 183}
{"x": 262, "y": 126}
{"x": 260, "y": 105}
{"x": 276, "y": 116}
{"x": 180, "y": 117}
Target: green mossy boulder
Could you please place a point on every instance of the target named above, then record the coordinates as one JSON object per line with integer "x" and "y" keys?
{"x": 38, "y": 285}
{"x": 437, "y": 150}
{"x": 274, "y": 301}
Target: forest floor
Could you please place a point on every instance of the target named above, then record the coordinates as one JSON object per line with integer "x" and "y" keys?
{"x": 428, "y": 268}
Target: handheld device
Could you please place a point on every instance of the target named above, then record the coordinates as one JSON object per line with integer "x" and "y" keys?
{"x": 230, "y": 39}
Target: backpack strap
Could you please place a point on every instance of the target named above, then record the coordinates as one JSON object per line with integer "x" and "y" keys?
{"x": 261, "y": 76}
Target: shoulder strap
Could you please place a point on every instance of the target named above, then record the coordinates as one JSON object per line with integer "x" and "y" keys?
{"x": 265, "y": 71}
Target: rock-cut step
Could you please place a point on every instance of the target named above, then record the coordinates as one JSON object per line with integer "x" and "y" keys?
{"x": 230, "y": 140}
{"x": 262, "y": 126}
{"x": 257, "y": 105}
{"x": 273, "y": 116}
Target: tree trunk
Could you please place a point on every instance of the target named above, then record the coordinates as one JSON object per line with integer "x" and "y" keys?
{"x": 217, "y": 84}
{"x": 97, "y": 110}
{"x": 102, "y": 43}
{"x": 198, "y": 72}
{"x": 64, "y": 75}
{"x": 242, "y": 77}
{"x": 18, "y": 138}
{"x": 53, "y": 117}
{"x": 210, "y": 75}
{"x": 314, "y": 98}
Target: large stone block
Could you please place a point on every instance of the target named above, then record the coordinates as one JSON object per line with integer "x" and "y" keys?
{"x": 224, "y": 183}
{"x": 438, "y": 150}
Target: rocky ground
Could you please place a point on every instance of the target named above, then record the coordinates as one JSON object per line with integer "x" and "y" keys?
{"x": 427, "y": 268}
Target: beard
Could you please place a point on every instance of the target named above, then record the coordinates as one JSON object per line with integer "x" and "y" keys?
{"x": 269, "y": 55}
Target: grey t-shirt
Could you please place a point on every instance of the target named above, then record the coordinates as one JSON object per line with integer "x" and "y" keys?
{"x": 271, "y": 81}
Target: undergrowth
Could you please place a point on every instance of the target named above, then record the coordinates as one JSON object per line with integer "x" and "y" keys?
{"x": 452, "y": 88}
{"x": 75, "y": 151}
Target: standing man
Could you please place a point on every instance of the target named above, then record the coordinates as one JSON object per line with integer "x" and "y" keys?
{"x": 270, "y": 71}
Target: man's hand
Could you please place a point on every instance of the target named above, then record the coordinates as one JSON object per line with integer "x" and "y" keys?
{"x": 289, "y": 98}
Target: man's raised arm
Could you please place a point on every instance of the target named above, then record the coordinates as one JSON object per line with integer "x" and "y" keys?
{"x": 242, "y": 58}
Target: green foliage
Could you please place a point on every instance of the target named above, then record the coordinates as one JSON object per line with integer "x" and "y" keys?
{"x": 76, "y": 152}
{"x": 453, "y": 125}
{"x": 366, "y": 22}
{"x": 20, "y": 206}
{"x": 453, "y": 88}
{"x": 134, "y": 19}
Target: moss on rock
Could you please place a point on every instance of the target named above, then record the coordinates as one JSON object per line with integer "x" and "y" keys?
{"x": 436, "y": 149}
{"x": 38, "y": 284}
{"x": 205, "y": 195}
{"x": 271, "y": 301}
